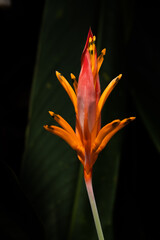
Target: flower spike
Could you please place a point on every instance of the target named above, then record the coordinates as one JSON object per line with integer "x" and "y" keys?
{"x": 89, "y": 139}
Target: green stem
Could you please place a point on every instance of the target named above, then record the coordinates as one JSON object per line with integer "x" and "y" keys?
{"x": 94, "y": 208}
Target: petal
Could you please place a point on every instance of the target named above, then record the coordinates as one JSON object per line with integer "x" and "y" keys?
{"x": 103, "y": 133}
{"x": 107, "y": 92}
{"x": 101, "y": 58}
{"x": 68, "y": 89}
{"x": 67, "y": 137}
{"x": 122, "y": 124}
{"x": 63, "y": 123}
{"x": 81, "y": 159}
{"x": 75, "y": 83}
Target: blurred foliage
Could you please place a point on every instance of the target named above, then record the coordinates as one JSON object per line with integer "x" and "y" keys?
{"x": 50, "y": 202}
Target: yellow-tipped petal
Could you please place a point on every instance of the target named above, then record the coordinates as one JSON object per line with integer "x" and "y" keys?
{"x": 122, "y": 124}
{"x": 67, "y": 137}
{"x": 101, "y": 58}
{"x": 103, "y": 51}
{"x": 107, "y": 92}
{"x": 103, "y": 133}
{"x": 63, "y": 123}
{"x": 75, "y": 83}
{"x": 68, "y": 89}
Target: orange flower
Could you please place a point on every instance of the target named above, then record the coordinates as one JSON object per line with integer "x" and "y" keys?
{"x": 89, "y": 139}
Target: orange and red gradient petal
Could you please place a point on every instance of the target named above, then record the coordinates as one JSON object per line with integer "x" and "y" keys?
{"x": 86, "y": 97}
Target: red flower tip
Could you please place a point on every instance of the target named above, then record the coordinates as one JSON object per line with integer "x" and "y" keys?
{"x": 90, "y": 34}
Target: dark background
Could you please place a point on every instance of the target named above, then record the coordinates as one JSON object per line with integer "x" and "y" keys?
{"x": 136, "y": 193}
{"x": 20, "y": 28}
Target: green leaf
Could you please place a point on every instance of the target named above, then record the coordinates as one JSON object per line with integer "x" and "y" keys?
{"x": 51, "y": 173}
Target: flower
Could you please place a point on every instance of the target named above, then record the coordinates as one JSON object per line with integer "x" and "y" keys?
{"x": 89, "y": 139}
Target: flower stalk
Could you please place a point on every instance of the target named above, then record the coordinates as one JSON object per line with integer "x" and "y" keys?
{"x": 92, "y": 201}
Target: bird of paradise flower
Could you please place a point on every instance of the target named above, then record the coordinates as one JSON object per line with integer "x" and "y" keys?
{"x": 88, "y": 139}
